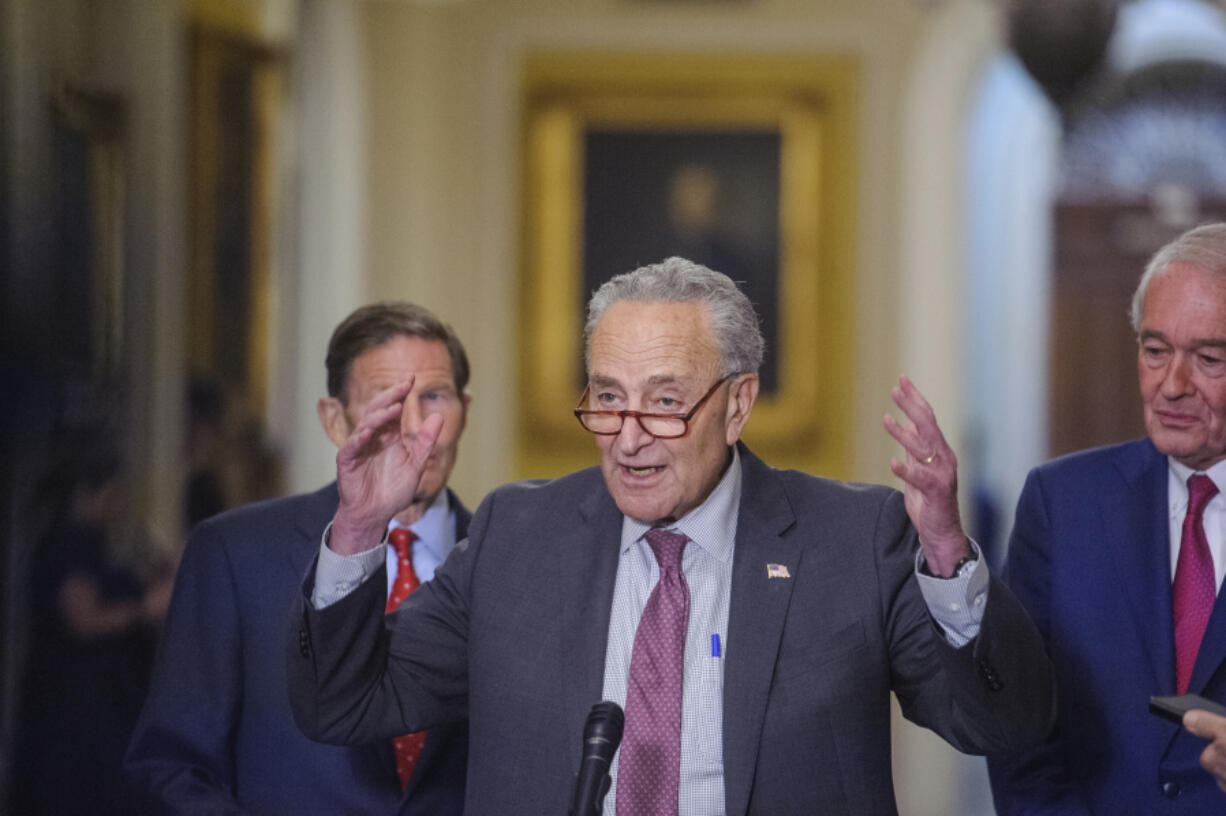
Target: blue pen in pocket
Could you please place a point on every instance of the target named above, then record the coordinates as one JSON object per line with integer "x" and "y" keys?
{"x": 715, "y": 645}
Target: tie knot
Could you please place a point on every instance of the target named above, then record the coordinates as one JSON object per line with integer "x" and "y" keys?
{"x": 667, "y": 545}
{"x": 1200, "y": 490}
{"x": 401, "y": 539}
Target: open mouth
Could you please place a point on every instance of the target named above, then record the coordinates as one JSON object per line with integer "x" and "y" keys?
{"x": 642, "y": 471}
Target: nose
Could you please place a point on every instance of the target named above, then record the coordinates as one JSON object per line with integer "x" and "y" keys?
{"x": 632, "y": 437}
{"x": 1178, "y": 380}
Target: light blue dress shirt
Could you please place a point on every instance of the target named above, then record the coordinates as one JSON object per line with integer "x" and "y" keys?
{"x": 435, "y": 532}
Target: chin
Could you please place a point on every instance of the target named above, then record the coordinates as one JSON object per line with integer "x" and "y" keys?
{"x": 641, "y": 512}
{"x": 1175, "y": 445}
{"x": 427, "y": 490}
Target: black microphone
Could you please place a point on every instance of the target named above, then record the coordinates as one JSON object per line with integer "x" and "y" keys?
{"x": 601, "y": 735}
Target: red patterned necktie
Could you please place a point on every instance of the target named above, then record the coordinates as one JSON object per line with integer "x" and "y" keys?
{"x": 1195, "y": 588}
{"x": 408, "y": 746}
{"x": 649, "y": 771}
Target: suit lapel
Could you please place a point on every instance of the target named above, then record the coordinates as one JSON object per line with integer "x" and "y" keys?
{"x": 758, "y": 608}
{"x": 592, "y": 553}
{"x": 462, "y": 516}
{"x": 1212, "y": 652}
{"x": 1138, "y": 540}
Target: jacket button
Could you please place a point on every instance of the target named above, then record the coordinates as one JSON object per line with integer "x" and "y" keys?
{"x": 304, "y": 643}
{"x": 989, "y": 675}
{"x": 1170, "y": 790}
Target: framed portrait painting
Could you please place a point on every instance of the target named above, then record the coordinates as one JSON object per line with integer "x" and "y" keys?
{"x": 90, "y": 211}
{"x": 743, "y": 163}
{"x": 238, "y": 95}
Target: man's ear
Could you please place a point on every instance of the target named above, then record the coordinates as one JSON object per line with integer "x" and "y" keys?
{"x": 332, "y": 417}
{"x": 741, "y": 396}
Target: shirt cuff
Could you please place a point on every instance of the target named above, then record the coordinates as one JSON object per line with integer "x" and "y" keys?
{"x": 957, "y": 603}
{"x": 337, "y": 575}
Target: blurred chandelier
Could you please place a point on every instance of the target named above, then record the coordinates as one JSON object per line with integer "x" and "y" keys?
{"x": 1061, "y": 43}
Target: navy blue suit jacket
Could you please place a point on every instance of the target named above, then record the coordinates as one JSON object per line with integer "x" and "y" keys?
{"x": 513, "y": 630}
{"x": 1090, "y": 559}
{"x": 216, "y": 734}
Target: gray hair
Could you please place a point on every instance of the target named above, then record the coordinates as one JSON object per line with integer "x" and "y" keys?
{"x": 676, "y": 280}
{"x": 1203, "y": 247}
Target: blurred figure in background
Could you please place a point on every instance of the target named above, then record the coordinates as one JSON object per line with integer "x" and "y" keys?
{"x": 93, "y": 630}
{"x": 204, "y": 493}
{"x": 229, "y": 458}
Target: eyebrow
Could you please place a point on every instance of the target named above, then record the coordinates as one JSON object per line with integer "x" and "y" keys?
{"x": 603, "y": 381}
{"x": 435, "y": 385}
{"x": 1198, "y": 342}
{"x": 665, "y": 379}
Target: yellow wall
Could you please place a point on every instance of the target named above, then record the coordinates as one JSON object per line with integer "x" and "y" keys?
{"x": 444, "y": 181}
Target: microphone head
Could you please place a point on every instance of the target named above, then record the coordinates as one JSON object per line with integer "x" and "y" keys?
{"x": 603, "y": 730}
{"x": 602, "y": 733}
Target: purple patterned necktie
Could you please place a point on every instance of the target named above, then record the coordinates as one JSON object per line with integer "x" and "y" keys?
{"x": 649, "y": 771}
{"x": 1195, "y": 588}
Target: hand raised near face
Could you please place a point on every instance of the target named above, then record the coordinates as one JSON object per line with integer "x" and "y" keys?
{"x": 930, "y": 479}
{"x": 378, "y": 469}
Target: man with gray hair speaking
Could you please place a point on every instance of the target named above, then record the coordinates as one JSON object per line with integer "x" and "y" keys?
{"x": 752, "y": 622}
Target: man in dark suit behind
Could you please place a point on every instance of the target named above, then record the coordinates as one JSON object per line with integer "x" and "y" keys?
{"x": 216, "y": 734}
{"x": 789, "y": 608}
{"x": 1103, "y": 547}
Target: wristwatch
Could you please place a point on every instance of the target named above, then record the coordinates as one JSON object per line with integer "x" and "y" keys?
{"x": 958, "y": 567}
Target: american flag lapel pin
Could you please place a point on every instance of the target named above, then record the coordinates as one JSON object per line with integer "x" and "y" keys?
{"x": 777, "y": 571}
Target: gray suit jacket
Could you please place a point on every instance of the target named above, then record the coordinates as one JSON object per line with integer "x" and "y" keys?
{"x": 512, "y": 633}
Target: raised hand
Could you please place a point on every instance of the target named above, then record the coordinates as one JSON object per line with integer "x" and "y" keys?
{"x": 377, "y": 471}
{"x": 930, "y": 479}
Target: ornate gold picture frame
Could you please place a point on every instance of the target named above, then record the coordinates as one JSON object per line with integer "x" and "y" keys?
{"x": 90, "y": 126}
{"x": 238, "y": 93}
{"x": 790, "y": 120}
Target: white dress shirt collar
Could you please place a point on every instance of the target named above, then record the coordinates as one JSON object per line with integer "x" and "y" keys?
{"x": 1177, "y": 493}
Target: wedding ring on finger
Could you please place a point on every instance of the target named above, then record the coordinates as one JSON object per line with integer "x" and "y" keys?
{"x": 929, "y": 458}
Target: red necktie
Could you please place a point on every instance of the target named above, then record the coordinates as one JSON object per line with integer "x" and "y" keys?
{"x": 649, "y": 771}
{"x": 408, "y": 746}
{"x": 1195, "y": 587}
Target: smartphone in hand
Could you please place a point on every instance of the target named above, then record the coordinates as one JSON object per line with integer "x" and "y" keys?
{"x": 1173, "y": 707}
